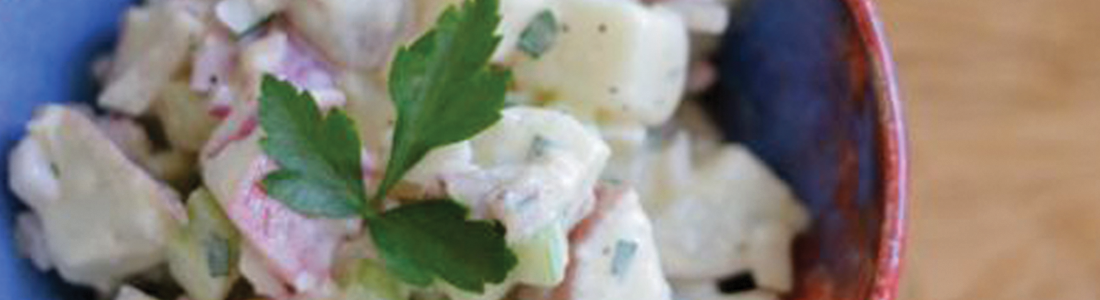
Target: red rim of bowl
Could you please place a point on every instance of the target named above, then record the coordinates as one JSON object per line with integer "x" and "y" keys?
{"x": 895, "y": 156}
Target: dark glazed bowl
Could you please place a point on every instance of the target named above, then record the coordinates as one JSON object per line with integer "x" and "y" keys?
{"x": 807, "y": 84}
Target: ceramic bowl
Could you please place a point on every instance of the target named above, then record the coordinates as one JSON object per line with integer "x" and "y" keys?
{"x": 807, "y": 84}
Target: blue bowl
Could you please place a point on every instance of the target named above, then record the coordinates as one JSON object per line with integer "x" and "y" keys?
{"x": 807, "y": 84}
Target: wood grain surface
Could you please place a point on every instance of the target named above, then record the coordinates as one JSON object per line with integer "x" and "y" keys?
{"x": 1003, "y": 101}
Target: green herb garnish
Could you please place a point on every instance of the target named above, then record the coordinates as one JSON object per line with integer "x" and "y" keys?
{"x": 433, "y": 239}
{"x": 445, "y": 92}
{"x": 443, "y": 87}
{"x": 539, "y": 35}
{"x": 319, "y": 165}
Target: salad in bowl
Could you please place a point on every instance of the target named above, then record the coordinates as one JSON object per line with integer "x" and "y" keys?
{"x": 404, "y": 149}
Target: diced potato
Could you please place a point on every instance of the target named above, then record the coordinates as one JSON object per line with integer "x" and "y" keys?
{"x": 131, "y": 293}
{"x": 356, "y": 33}
{"x": 704, "y": 16}
{"x": 127, "y": 135}
{"x": 428, "y": 174}
{"x": 667, "y": 174}
{"x": 613, "y": 59}
{"x": 515, "y": 16}
{"x": 175, "y": 167}
{"x": 30, "y": 239}
{"x": 527, "y": 134}
{"x": 172, "y": 166}
{"x": 208, "y": 241}
{"x": 155, "y": 42}
{"x": 242, "y": 16}
{"x": 543, "y": 155}
{"x": 374, "y": 114}
{"x": 749, "y": 215}
{"x": 628, "y": 143}
{"x": 33, "y": 176}
{"x": 185, "y": 116}
{"x": 90, "y": 239}
{"x": 263, "y": 281}
{"x": 535, "y": 171}
{"x": 613, "y": 253}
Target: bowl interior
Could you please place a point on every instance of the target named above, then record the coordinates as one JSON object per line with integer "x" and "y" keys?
{"x": 798, "y": 86}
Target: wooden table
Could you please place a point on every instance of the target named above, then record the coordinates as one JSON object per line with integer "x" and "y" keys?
{"x": 1003, "y": 101}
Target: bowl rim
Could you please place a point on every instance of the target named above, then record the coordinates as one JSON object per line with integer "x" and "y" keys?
{"x": 895, "y": 162}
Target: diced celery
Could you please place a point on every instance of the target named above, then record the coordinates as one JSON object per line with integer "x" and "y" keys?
{"x": 543, "y": 257}
{"x": 205, "y": 216}
{"x": 369, "y": 280}
{"x": 202, "y": 257}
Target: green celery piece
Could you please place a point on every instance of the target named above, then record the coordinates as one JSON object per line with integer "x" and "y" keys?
{"x": 203, "y": 255}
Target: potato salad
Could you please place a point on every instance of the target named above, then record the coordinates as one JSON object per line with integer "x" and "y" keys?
{"x": 401, "y": 150}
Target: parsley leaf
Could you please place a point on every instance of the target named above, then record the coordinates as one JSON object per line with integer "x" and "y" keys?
{"x": 539, "y": 35}
{"x": 443, "y": 87}
{"x": 429, "y": 238}
{"x": 319, "y": 165}
{"x": 445, "y": 92}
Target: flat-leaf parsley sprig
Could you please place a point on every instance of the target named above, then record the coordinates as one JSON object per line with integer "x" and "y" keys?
{"x": 445, "y": 92}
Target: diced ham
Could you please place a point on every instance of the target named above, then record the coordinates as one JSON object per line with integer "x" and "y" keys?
{"x": 299, "y": 248}
{"x": 296, "y": 249}
{"x": 358, "y": 34}
{"x": 290, "y": 58}
{"x": 230, "y": 71}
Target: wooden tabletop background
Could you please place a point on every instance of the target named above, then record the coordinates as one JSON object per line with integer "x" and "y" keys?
{"x": 1003, "y": 102}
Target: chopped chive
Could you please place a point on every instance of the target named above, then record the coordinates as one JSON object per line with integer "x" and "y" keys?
{"x": 624, "y": 257}
{"x": 539, "y": 35}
